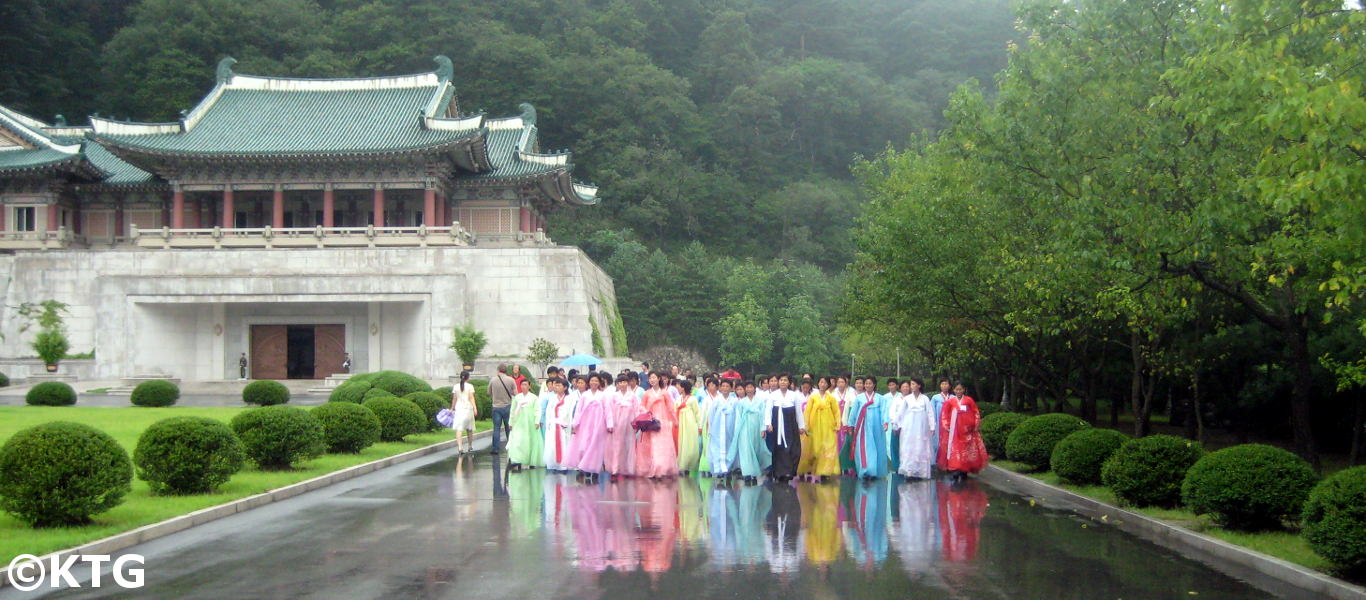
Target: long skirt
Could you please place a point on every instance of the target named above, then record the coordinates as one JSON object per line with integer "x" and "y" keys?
{"x": 655, "y": 454}
{"x": 590, "y": 439}
{"x": 525, "y": 443}
{"x": 689, "y": 439}
{"x": 786, "y": 445}
{"x": 621, "y": 443}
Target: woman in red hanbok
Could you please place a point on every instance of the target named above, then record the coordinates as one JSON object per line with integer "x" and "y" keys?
{"x": 960, "y": 446}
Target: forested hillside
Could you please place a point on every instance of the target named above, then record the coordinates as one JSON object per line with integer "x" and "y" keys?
{"x": 722, "y": 132}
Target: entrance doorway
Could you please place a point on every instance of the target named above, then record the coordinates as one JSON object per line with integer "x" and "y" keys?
{"x": 297, "y": 351}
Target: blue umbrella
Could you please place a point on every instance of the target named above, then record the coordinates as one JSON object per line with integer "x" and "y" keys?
{"x": 580, "y": 360}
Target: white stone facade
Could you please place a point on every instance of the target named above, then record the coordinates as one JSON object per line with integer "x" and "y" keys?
{"x": 187, "y": 313}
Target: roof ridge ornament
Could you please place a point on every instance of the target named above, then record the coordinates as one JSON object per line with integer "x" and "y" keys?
{"x": 445, "y": 70}
{"x": 528, "y": 114}
{"x": 225, "y": 69}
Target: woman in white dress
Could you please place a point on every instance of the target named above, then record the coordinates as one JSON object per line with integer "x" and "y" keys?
{"x": 464, "y": 411}
{"x": 912, "y": 415}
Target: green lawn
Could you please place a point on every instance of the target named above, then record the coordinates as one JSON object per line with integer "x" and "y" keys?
{"x": 1285, "y": 545}
{"x": 140, "y": 507}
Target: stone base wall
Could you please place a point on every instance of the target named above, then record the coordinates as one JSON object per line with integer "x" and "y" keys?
{"x": 187, "y": 313}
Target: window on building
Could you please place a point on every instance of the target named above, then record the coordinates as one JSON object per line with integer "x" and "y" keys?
{"x": 25, "y": 218}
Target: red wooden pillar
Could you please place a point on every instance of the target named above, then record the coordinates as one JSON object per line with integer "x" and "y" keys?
{"x": 277, "y": 210}
{"x": 526, "y": 220}
{"x": 429, "y": 207}
{"x": 177, "y": 209}
{"x": 198, "y": 211}
{"x": 441, "y": 220}
{"x": 329, "y": 205}
{"x": 379, "y": 206}
{"x": 119, "y": 230}
{"x": 229, "y": 213}
{"x": 53, "y": 217}
{"x": 3, "y": 210}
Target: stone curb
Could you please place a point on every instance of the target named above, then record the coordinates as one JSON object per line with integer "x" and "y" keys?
{"x": 150, "y": 532}
{"x": 1204, "y": 548}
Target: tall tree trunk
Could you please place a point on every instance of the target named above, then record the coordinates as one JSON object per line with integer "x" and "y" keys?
{"x": 1192, "y": 425}
{"x": 1297, "y": 340}
{"x": 1136, "y": 385}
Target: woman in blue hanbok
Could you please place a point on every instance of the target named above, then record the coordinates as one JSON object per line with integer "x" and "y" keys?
{"x": 720, "y": 426}
{"x": 869, "y": 442}
{"x": 748, "y": 452}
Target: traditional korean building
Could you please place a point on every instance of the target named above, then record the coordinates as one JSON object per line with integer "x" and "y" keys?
{"x": 296, "y": 221}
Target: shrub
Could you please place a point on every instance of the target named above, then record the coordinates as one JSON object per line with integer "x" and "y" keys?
{"x": 1032, "y": 441}
{"x": 482, "y": 400}
{"x": 430, "y": 404}
{"x": 51, "y": 346}
{"x": 348, "y": 427}
{"x": 468, "y": 343}
{"x": 4, "y": 380}
{"x": 1148, "y": 471}
{"x": 349, "y": 391}
{"x": 1079, "y": 456}
{"x": 398, "y": 383}
{"x": 996, "y": 428}
{"x": 265, "y": 392}
{"x": 986, "y": 409}
{"x": 444, "y": 393}
{"x": 61, "y": 473}
{"x": 1250, "y": 487}
{"x": 187, "y": 455}
{"x": 276, "y": 437}
{"x": 397, "y": 417}
{"x": 157, "y": 392}
{"x": 51, "y": 393}
{"x": 373, "y": 393}
{"x": 1334, "y": 518}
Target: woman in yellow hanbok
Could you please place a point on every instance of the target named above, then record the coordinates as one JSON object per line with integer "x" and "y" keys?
{"x": 822, "y": 427}
{"x": 689, "y": 430}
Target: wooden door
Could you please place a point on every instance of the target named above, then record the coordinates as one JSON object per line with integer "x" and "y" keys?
{"x": 269, "y": 351}
{"x": 329, "y": 350}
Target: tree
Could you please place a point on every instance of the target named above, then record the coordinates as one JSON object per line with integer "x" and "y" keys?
{"x": 744, "y": 334}
{"x": 803, "y": 337}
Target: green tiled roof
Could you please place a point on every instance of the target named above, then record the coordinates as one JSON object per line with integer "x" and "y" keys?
{"x": 120, "y": 172}
{"x": 32, "y": 160}
{"x": 47, "y": 152}
{"x": 503, "y": 147}
{"x": 295, "y": 122}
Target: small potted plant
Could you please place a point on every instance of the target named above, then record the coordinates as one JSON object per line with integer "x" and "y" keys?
{"x": 51, "y": 343}
{"x": 469, "y": 343}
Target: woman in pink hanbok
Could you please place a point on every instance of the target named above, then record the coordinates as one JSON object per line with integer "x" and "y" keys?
{"x": 623, "y": 407}
{"x": 590, "y": 428}
{"x": 656, "y": 455}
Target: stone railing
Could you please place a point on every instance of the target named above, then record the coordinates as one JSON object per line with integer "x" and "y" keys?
{"x": 302, "y": 237}
{"x": 36, "y": 240}
{"x": 520, "y": 238}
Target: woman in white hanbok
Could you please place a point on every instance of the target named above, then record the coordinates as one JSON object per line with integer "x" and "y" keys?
{"x": 913, "y": 416}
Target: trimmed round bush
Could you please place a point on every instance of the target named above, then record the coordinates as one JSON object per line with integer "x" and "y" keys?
{"x": 1334, "y": 518}
{"x": 61, "y": 473}
{"x": 1249, "y": 487}
{"x": 1032, "y": 441}
{"x": 397, "y": 417}
{"x": 444, "y": 393}
{"x": 373, "y": 393}
{"x": 157, "y": 392}
{"x": 276, "y": 437}
{"x": 4, "y": 380}
{"x": 986, "y": 409}
{"x": 265, "y": 392}
{"x": 398, "y": 383}
{"x": 187, "y": 455}
{"x": 349, "y": 391}
{"x": 347, "y": 427}
{"x": 483, "y": 401}
{"x": 51, "y": 393}
{"x": 1148, "y": 471}
{"x": 996, "y": 428}
{"x": 1079, "y": 456}
{"x": 430, "y": 404}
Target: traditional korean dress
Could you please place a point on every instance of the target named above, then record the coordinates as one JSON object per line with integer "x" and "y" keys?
{"x": 912, "y": 419}
{"x": 917, "y": 532}
{"x": 621, "y": 439}
{"x": 848, "y": 405}
{"x": 786, "y": 419}
{"x": 559, "y": 431}
{"x": 748, "y": 450}
{"x": 822, "y": 421}
{"x": 960, "y": 446}
{"x": 525, "y": 443}
{"x": 820, "y": 519}
{"x": 590, "y": 432}
{"x": 869, "y": 441}
{"x": 893, "y": 436}
{"x": 689, "y": 434}
{"x": 656, "y": 455}
{"x": 937, "y": 409}
{"x": 720, "y": 433}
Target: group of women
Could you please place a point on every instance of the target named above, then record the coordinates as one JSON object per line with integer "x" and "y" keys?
{"x": 775, "y": 426}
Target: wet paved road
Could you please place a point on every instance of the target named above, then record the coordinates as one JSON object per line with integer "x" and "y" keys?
{"x": 459, "y": 527}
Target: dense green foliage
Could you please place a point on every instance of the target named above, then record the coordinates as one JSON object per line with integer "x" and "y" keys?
{"x": 265, "y": 392}
{"x": 4, "y": 380}
{"x": 373, "y": 393}
{"x": 347, "y": 427}
{"x": 1078, "y": 457}
{"x": 50, "y": 393}
{"x": 187, "y": 455}
{"x": 995, "y": 430}
{"x": 1251, "y": 486}
{"x": 468, "y": 343}
{"x": 61, "y": 473}
{"x": 1149, "y": 471}
{"x": 349, "y": 391}
{"x": 1160, "y": 196}
{"x": 157, "y": 392}
{"x": 1334, "y": 518}
{"x": 430, "y": 404}
{"x": 1032, "y": 441}
{"x": 276, "y": 437}
{"x": 397, "y": 417}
